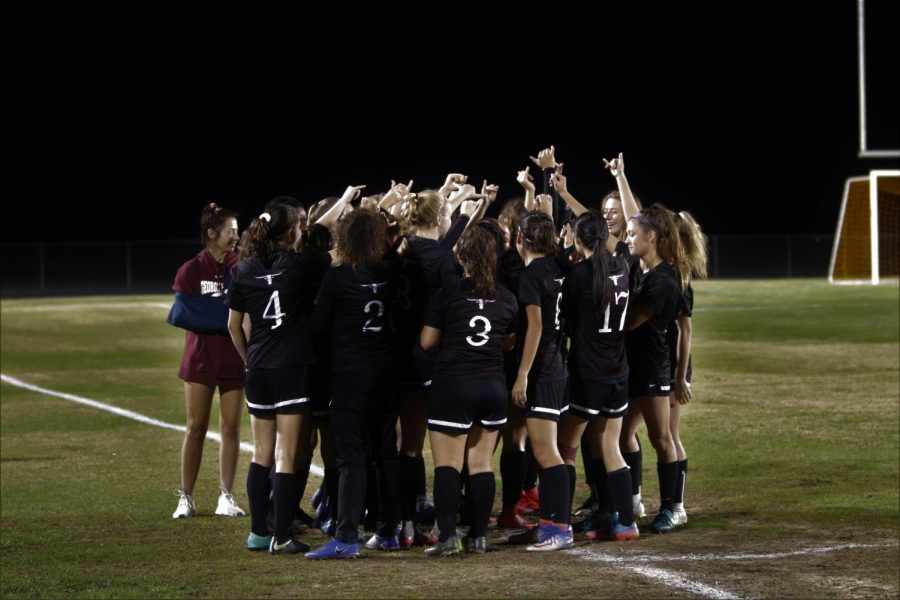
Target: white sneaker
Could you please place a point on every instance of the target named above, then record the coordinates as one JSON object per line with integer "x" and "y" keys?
{"x": 373, "y": 542}
{"x": 185, "y": 505}
{"x": 679, "y": 516}
{"x": 227, "y": 506}
{"x": 637, "y": 504}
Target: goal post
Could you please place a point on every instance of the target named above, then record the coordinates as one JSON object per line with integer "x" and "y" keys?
{"x": 867, "y": 241}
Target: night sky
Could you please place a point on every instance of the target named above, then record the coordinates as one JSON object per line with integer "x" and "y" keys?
{"x": 750, "y": 123}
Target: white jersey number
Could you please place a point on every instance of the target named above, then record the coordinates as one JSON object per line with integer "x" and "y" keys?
{"x": 275, "y": 304}
{"x": 374, "y": 324}
{"x": 618, "y": 296}
{"x": 481, "y": 338}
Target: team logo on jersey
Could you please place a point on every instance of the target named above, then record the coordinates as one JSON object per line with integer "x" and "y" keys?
{"x": 374, "y": 286}
{"x": 269, "y": 278}
{"x": 560, "y": 280}
{"x": 615, "y": 279}
{"x": 481, "y": 302}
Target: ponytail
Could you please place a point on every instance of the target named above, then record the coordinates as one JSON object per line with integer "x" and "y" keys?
{"x": 591, "y": 230}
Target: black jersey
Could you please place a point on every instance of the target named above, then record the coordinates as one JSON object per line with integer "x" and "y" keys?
{"x": 473, "y": 328}
{"x": 435, "y": 259}
{"x": 352, "y": 307}
{"x": 598, "y": 338}
{"x": 279, "y": 299}
{"x": 540, "y": 284}
{"x": 685, "y": 309}
{"x": 648, "y": 352}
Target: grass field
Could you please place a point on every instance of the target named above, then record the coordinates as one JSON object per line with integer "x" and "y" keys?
{"x": 793, "y": 438}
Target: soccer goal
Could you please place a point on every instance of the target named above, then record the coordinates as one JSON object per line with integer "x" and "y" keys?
{"x": 867, "y": 241}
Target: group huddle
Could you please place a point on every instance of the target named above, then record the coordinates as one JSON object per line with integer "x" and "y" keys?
{"x": 372, "y": 319}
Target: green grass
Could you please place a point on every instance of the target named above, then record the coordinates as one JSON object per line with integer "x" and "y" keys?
{"x": 795, "y": 426}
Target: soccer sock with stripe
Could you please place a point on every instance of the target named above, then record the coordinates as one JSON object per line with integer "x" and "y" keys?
{"x": 570, "y": 469}
{"x": 681, "y": 482}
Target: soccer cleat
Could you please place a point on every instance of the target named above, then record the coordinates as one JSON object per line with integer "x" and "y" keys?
{"x": 600, "y": 523}
{"x": 451, "y": 546}
{"x": 679, "y": 516}
{"x": 291, "y": 546}
{"x": 185, "y": 507}
{"x": 528, "y": 501}
{"x": 413, "y": 536}
{"x": 616, "y": 533}
{"x": 334, "y": 549}
{"x": 258, "y": 542}
{"x": 664, "y": 522}
{"x": 476, "y": 545}
{"x": 529, "y": 536}
{"x": 552, "y": 538}
{"x": 227, "y": 506}
{"x": 389, "y": 544}
{"x": 637, "y": 504}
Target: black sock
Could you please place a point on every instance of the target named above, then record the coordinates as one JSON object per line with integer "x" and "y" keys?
{"x": 634, "y": 460}
{"x": 552, "y": 491}
{"x": 302, "y": 476}
{"x": 482, "y": 487}
{"x": 259, "y": 486}
{"x": 668, "y": 477}
{"x": 604, "y": 500}
{"x": 571, "y": 491}
{"x": 407, "y": 488}
{"x": 284, "y": 488}
{"x": 531, "y": 469}
{"x": 619, "y": 483}
{"x": 682, "y": 480}
{"x": 446, "y": 500}
{"x": 512, "y": 474}
{"x": 586, "y": 459}
{"x": 388, "y": 475}
{"x": 332, "y": 480}
{"x": 419, "y": 476}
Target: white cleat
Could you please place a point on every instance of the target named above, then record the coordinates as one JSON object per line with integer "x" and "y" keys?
{"x": 637, "y": 504}
{"x": 227, "y": 506}
{"x": 679, "y": 516}
{"x": 185, "y": 505}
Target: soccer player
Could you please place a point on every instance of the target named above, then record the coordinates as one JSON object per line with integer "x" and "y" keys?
{"x": 656, "y": 288}
{"x": 595, "y": 298}
{"x": 471, "y": 325}
{"x": 210, "y": 360}
{"x": 351, "y": 308}
{"x": 274, "y": 286}
{"x": 679, "y": 337}
{"x": 540, "y": 384}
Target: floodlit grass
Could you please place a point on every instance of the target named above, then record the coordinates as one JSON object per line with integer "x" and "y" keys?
{"x": 793, "y": 436}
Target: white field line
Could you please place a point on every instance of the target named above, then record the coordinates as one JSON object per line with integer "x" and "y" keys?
{"x": 128, "y": 414}
{"x": 674, "y": 580}
{"x": 665, "y": 577}
{"x": 82, "y": 305}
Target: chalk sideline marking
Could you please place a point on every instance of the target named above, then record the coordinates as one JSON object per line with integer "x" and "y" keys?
{"x": 128, "y": 414}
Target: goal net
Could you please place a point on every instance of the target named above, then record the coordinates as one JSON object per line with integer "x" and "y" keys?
{"x": 867, "y": 242}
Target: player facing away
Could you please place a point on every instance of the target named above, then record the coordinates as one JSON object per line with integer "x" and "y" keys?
{"x": 472, "y": 326}
{"x": 274, "y": 285}
{"x": 351, "y": 308}
{"x": 209, "y": 361}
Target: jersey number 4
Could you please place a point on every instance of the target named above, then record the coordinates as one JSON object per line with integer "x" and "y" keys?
{"x": 274, "y": 304}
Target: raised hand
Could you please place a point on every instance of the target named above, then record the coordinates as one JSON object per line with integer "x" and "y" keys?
{"x": 559, "y": 183}
{"x": 545, "y": 158}
{"x": 544, "y": 203}
{"x": 489, "y": 192}
{"x": 526, "y": 180}
{"x": 615, "y": 166}
{"x": 470, "y": 207}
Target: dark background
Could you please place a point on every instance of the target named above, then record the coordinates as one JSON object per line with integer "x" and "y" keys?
{"x": 745, "y": 114}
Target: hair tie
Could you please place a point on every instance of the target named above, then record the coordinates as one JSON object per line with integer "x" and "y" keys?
{"x": 266, "y": 217}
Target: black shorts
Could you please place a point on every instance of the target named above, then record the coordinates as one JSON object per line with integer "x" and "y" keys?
{"x": 320, "y": 391}
{"x": 280, "y": 391}
{"x": 640, "y": 386}
{"x": 456, "y": 404}
{"x": 546, "y": 400}
{"x": 592, "y": 399}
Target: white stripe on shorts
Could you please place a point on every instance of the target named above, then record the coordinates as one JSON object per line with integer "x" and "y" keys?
{"x": 489, "y": 423}
{"x": 552, "y": 411}
{"x": 449, "y": 424}
{"x": 589, "y": 411}
{"x": 277, "y": 404}
{"x": 618, "y": 410}
{"x": 427, "y": 383}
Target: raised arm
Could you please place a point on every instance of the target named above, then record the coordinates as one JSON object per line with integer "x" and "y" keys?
{"x": 630, "y": 205}
{"x": 334, "y": 213}
{"x": 561, "y": 186}
{"x": 527, "y": 182}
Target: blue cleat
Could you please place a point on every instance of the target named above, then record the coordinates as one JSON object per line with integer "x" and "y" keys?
{"x": 334, "y": 549}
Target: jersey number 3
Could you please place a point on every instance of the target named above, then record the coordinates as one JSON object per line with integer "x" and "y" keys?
{"x": 481, "y": 338}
